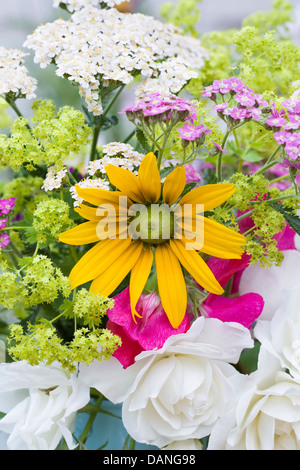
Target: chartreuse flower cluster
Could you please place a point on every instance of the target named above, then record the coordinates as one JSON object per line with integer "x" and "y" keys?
{"x": 54, "y": 138}
{"x": 90, "y": 341}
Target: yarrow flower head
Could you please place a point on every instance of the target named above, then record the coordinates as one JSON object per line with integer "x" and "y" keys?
{"x": 118, "y": 154}
{"x": 76, "y": 5}
{"x": 193, "y": 133}
{"x": 131, "y": 45}
{"x": 156, "y": 107}
{"x": 237, "y": 102}
{"x": 4, "y": 240}
{"x": 14, "y": 78}
{"x": 131, "y": 249}
{"x": 6, "y": 205}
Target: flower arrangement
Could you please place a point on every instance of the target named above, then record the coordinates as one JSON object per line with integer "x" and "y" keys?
{"x": 157, "y": 273}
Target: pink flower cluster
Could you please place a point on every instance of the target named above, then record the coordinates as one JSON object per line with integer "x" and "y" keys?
{"x": 163, "y": 107}
{"x": 193, "y": 133}
{"x": 6, "y": 205}
{"x": 286, "y": 123}
{"x": 238, "y": 103}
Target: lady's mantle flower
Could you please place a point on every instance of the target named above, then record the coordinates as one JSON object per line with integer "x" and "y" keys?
{"x": 131, "y": 249}
{"x": 39, "y": 405}
{"x": 179, "y": 391}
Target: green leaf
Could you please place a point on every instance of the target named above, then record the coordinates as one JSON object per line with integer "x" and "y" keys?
{"x": 292, "y": 219}
{"x": 252, "y": 156}
{"x": 142, "y": 140}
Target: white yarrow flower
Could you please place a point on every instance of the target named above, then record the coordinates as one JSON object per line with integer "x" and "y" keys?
{"x": 14, "y": 76}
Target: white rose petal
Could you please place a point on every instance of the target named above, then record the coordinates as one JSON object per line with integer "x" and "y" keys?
{"x": 40, "y": 405}
{"x": 177, "y": 392}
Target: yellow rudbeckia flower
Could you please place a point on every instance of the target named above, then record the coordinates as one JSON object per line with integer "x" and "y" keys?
{"x": 118, "y": 253}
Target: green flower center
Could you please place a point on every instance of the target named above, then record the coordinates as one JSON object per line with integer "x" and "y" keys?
{"x": 152, "y": 224}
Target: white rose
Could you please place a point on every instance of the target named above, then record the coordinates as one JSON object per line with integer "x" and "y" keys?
{"x": 40, "y": 405}
{"x": 271, "y": 282}
{"x": 177, "y": 392}
{"x": 187, "y": 444}
{"x": 266, "y": 414}
{"x": 281, "y": 335}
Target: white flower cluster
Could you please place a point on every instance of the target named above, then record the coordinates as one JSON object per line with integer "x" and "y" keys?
{"x": 14, "y": 76}
{"x": 53, "y": 179}
{"x": 103, "y": 47}
{"x": 118, "y": 154}
{"x": 75, "y": 5}
{"x": 88, "y": 183}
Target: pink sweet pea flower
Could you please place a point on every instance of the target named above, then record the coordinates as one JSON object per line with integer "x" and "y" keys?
{"x": 149, "y": 332}
{"x": 244, "y": 309}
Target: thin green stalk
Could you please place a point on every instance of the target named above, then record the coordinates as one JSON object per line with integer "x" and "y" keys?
{"x": 113, "y": 100}
{"x": 269, "y": 163}
{"x": 93, "y": 414}
{"x": 96, "y": 133}
{"x": 220, "y": 158}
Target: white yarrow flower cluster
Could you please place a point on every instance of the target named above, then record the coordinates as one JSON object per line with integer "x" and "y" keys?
{"x": 75, "y": 5}
{"x": 14, "y": 76}
{"x": 88, "y": 183}
{"x": 117, "y": 154}
{"x": 104, "y": 47}
{"x": 54, "y": 179}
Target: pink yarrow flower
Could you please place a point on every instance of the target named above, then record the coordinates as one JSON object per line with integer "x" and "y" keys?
{"x": 4, "y": 240}
{"x": 189, "y": 132}
{"x": 2, "y": 223}
{"x": 6, "y": 205}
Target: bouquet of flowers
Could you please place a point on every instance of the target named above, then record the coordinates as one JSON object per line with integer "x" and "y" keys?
{"x": 159, "y": 272}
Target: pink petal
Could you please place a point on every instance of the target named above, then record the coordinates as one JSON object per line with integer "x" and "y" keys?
{"x": 129, "y": 349}
{"x": 244, "y": 309}
{"x": 150, "y": 331}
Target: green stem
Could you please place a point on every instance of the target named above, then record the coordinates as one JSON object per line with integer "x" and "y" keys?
{"x": 269, "y": 163}
{"x": 96, "y": 133}
{"x": 113, "y": 100}
{"x": 129, "y": 137}
{"x": 220, "y": 158}
{"x": 93, "y": 414}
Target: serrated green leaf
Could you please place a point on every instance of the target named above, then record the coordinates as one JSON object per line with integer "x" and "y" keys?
{"x": 292, "y": 219}
{"x": 142, "y": 140}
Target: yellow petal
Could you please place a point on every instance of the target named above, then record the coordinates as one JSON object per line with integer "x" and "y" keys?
{"x": 210, "y": 237}
{"x": 98, "y": 196}
{"x": 149, "y": 178}
{"x": 97, "y": 259}
{"x": 195, "y": 265}
{"x": 139, "y": 275}
{"x": 221, "y": 241}
{"x": 125, "y": 181}
{"x": 171, "y": 284}
{"x": 174, "y": 185}
{"x": 210, "y": 195}
{"x": 87, "y": 212}
{"x": 114, "y": 274}
{"x": 81, "y": 235}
